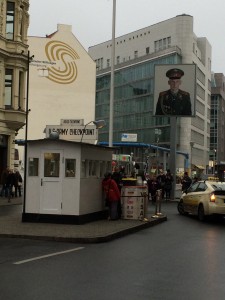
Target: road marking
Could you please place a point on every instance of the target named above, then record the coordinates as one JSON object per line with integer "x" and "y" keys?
{"x": 47, "y": 255}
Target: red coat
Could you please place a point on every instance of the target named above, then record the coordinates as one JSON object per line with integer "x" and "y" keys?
{"x": 111, "y": 189}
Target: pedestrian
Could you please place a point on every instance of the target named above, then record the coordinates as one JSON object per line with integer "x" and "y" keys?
{"x": 153, "y": 186}
{"x": 186, "y": 182}
{"x": 10, "y": 184}
{"x": 18, "y": 183}
{"x": 168, "y": 185}
{"x": 4, "y": 190}
{"x": 161, "y": 178}
{"x": 117, "y": 176}
{"x": 112, "y": 194}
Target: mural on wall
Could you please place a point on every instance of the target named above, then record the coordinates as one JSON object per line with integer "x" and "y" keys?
{"x": 64, "y": 68}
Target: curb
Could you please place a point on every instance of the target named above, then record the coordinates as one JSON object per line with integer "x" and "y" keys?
{"x": 88, "y": 240}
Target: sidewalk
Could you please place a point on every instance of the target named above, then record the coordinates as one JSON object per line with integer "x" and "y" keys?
{"x": 93, "y": 232}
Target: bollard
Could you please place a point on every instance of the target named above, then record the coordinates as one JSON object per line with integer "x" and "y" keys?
{"x": 145, "y": 206}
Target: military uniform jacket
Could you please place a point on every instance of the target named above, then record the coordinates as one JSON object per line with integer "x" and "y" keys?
{"x": 171, "y": 104}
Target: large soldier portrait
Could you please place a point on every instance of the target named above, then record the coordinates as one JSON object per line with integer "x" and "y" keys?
{"x": 174, "y": 101}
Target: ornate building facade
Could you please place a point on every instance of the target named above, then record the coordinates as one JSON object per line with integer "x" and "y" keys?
{"x": 14, "y": 22}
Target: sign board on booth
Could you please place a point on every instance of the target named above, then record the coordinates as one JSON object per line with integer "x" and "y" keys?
{"x": 88, "y": 134}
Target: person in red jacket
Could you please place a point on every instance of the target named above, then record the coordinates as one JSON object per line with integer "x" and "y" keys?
{"x": 112, "y": 193}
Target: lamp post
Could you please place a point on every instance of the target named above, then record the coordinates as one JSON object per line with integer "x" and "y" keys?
{"x": 29, "y": 59}
{"x": 157, "y": 133}
{"x": 191, "y": 145}
{"x": 112, "y": 76}
{"x": 214, "y": 164}
{"x": 99, "y": 124}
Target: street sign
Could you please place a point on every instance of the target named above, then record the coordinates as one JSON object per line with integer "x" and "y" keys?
{"x": 72, "y": 122}
{"x": 129, "y": 137}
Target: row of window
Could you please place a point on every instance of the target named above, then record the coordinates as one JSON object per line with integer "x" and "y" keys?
{"x": 158, "y": 45}
{"x": 89, "y": 168}
{"x": 135, "y": 73}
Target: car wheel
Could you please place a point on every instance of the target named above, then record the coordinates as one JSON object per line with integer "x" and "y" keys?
{"x": 201, "y": 213}
{"x": 180, "y": 208}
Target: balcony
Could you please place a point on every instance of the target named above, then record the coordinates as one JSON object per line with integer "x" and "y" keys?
{"x": 14, "y": 119}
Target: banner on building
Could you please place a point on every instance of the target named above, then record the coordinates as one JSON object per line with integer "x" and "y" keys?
{"x": 175, "y": 90}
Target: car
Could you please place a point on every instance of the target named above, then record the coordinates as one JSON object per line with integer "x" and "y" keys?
{"x": 203, "y": 199}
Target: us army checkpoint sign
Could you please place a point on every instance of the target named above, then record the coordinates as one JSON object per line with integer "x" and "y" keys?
{"x": 87, "y": 134}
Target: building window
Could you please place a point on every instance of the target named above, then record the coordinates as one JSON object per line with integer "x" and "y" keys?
{"x": 20, "y": 92}
{"x": 108, "y": 63}
{"x": 10, "y": 15}
{"x": 8, "y": 87}
{"x": 147, "y": 50}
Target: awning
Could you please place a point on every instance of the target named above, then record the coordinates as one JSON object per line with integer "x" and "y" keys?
{"x": 199, "y": 167}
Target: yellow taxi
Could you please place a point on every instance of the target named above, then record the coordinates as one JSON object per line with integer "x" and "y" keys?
{"x": 203, "y": 198}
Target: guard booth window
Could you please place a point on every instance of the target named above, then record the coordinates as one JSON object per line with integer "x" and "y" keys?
{"x": 70, "y": 167}
{"x": 33, "y": 166}
{"x": 51, "y": 164}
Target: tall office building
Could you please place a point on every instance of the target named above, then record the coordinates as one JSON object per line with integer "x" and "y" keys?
{"x": 136, "y": 55}
{"x": 14, "y": 22}
{"x": 217, "y": 124}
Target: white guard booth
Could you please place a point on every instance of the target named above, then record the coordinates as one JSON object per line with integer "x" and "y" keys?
{"x": 63, "y": 181}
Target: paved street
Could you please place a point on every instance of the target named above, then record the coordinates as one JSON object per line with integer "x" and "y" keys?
{"x": 181, "y": 258}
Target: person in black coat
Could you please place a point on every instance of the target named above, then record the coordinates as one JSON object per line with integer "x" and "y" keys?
{"x": 168, "y": 184}
{"x": 18, "y": 183}
{"x": 153, "y": 186}
{"x": 10, "y": 183}
{"x": 186, "y": 182}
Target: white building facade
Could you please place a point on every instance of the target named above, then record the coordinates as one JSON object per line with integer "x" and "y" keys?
{"x": 171, "y": 41}
{"x": 62, "y": 82}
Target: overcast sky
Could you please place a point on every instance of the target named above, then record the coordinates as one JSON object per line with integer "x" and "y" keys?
{"x": 91, "y": 20}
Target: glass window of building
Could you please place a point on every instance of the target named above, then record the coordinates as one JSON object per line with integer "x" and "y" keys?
{"x": 8, "y": 87}
{"x": 10, "y": 14}
{"x": 20, "y": 93}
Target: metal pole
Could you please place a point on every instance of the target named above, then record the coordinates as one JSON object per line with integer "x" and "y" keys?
{"x": 112, "y": 76}
{"x": 26, "y": 134}
{"x": 173, "y": 140}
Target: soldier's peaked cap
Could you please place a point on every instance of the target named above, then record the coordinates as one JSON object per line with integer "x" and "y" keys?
{"x": 174, "y": 73}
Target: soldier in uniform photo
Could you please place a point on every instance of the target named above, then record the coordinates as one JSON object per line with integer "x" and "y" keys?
{"x": 174, "y": 101}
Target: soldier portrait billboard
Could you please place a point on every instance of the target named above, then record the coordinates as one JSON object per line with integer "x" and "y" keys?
{"x": 175, "y": 90}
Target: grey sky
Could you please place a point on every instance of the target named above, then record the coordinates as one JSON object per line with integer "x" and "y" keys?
{"x": 91, "y": 20}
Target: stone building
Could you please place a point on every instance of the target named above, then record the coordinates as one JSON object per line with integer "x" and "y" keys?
{"x": 14, "y": 22}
